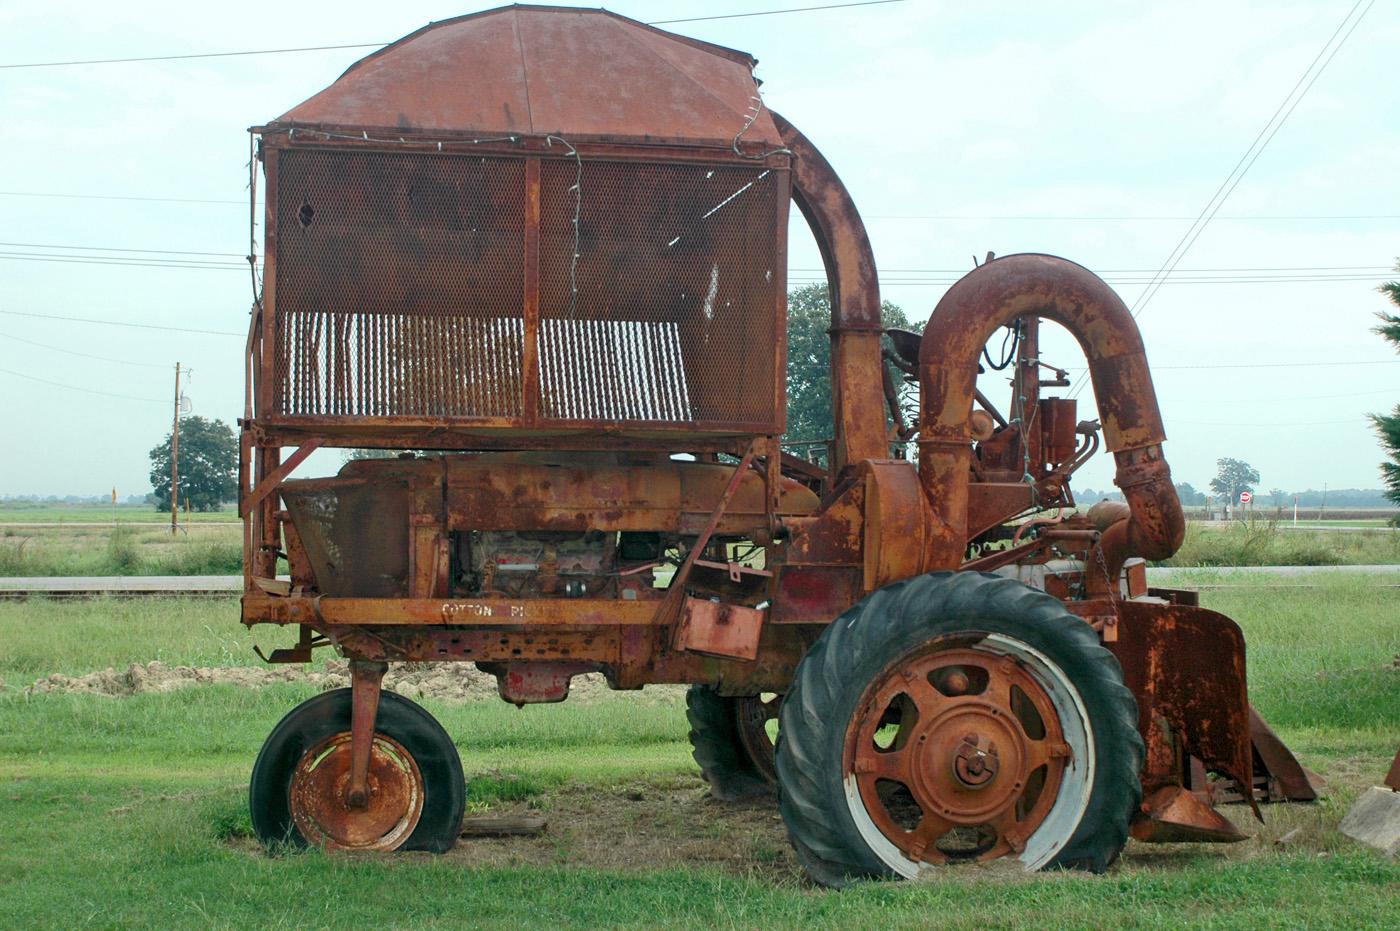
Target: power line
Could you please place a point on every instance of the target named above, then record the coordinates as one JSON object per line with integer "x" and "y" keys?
{"x": 327, "y": 48}
{"x": 115, "y": 260}
{"x": 798, "y": 9}
{"x": 868, "y": 216}
{"x": 1385, "y": 269}
{"x": 1259, "y": 279}
{"x": 124, "y": 61}
{"x": 1237, "y": 424}
{"x": 1257, "y": 147}
{"x": 1246, "y": 161}
{"x": 1218, "y": 402}
{"x": 59, "y": 384}
{"x": 1262, "y": 365}
{"x": 163, "y": 200}
{"x": 50, "y": 245}
{"x": 1275, "y": 365}
{"x": 125, "y": 323}
{"x": 85, "y": 355}
{"x": 1124, "y": 218}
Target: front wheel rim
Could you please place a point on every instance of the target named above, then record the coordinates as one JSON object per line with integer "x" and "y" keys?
{"x": 971, "y": 747}
{"x": 317, "y": 796}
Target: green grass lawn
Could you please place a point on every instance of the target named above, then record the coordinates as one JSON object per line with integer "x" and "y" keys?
{"x": 130, "y": 812}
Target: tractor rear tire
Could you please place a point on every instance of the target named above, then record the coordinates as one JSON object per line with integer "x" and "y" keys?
{"x": 953, "y": 717}
{"x": 730, "y": 744}
{"x": 418, "y": 793}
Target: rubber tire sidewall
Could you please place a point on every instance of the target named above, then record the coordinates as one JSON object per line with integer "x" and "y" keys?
{"x": 898, "y": 620}
{"x": 314, "y": 720}
{"x": 723, "y": 759}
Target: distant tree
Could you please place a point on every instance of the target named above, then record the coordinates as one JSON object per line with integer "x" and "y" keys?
{"x": 1189, "y": 495}
{"x": 1388, "y": 425}
{"x": 1278, "y": 496}
{"x": 208, "y": 465}
{"x": 1232, "y": 477}
{"x": 1344, "y": 498}
{"x": 809, "y": 360}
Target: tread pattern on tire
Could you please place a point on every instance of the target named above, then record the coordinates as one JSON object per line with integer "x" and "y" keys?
{"x": 444, "y": 803}
{"x": 889, "y": 623}
{"x": 715, "y": 744}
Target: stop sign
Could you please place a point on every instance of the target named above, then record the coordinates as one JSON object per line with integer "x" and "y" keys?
{"x": 1245, "y": 497}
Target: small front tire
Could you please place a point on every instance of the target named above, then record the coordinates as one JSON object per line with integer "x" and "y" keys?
{"x": 417, "y": 790}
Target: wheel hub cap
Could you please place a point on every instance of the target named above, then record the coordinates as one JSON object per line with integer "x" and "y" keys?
{"x": 957, "y": 753}
{"x": 320, "y": 801}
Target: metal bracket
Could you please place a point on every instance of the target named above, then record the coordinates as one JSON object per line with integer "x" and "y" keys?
{"x": 269, "y": 484}
{"x": 366, "y": 677}
{"x": 735, "y": 570}
{"x": 677, "y": 589}
{"x": 301, "y": 653}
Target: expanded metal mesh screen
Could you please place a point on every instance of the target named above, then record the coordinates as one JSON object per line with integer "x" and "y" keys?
{"x": 401, "y": 282}
{"x": 673, "y": 319}
{"x": 398, "y": 284}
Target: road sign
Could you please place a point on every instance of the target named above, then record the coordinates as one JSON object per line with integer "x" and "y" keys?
{"x": 1245, "y": 497}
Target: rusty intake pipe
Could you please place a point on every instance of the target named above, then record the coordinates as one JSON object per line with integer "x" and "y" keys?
{"x": 1050, "y": 287}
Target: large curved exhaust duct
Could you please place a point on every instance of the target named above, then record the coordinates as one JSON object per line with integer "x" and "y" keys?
{"x": 1059, "y": 290}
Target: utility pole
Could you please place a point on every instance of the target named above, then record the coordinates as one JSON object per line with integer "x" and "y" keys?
{"x": 175, "y": 460}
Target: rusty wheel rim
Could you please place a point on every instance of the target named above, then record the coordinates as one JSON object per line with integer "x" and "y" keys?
{"x": 753, "y": 715}
{"x": 958, "y": 751}
{"x": 318, "y": 791}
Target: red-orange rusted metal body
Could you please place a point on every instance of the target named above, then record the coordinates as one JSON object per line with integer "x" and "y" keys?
{"x": 527, "y": 244}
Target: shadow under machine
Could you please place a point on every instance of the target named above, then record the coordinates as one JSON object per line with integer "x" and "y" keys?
{"x": 545, "y": 250}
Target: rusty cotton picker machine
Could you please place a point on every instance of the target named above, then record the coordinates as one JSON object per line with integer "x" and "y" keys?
{"x": 546, "y": 249}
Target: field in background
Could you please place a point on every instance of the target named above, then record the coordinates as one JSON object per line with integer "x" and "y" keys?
{"x": 205, "y": 549}
{"x": 1306, "y": 515}
{"x": 11, "y": 513}
{"x": 131, "y": 811}
{"x": 213, "y": 547}
{"x": 1265, "y": 543}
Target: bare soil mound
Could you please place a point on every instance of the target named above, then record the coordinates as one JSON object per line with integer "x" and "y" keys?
{"x": 451, "y": 682}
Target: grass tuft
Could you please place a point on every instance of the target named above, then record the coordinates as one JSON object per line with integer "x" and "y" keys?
{"x": 1267, "y": 543}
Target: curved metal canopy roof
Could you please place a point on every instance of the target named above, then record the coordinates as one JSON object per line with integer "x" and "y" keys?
{"x": 536, "y": 70}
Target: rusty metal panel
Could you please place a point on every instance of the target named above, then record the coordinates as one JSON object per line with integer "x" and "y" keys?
{"x": 670, "y": 294}
{"x": 406, "y": 288}
{"x": 535, "y": 681}
{"x": 523, "y": 70}
{"x": 1280, "y": 766}
{"x": 399, "y": 283}
{"x": 1186, "y": 668}
{"x": 355, "y": 534}
{"x": 716, "y": 628}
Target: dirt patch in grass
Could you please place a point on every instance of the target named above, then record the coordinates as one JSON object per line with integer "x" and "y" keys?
{"x": 651, "y": 826}
{"x": 449, "y": 682}
{"x": 641, "y": 826}
{"x": 676, "y": 824}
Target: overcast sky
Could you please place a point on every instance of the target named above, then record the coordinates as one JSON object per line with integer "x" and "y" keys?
{"x": 1096, "y": 131}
